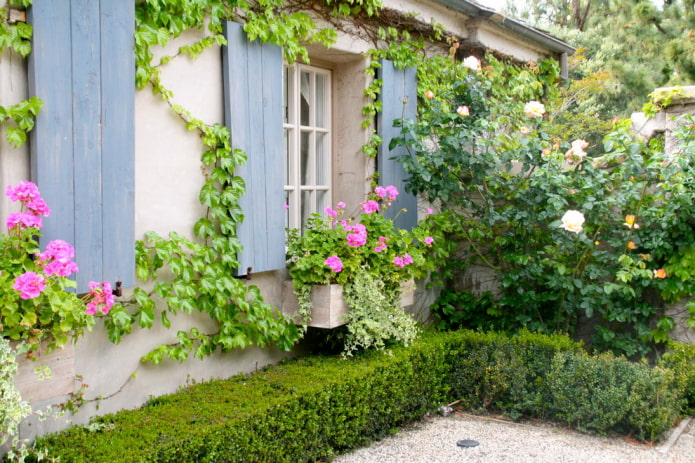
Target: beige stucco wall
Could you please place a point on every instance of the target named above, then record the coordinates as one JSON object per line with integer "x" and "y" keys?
{"x": 14, "y": 162}
{"x": 167, "y": 181}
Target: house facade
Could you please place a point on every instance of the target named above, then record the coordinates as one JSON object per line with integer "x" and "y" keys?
{"x": 114, "y": 162}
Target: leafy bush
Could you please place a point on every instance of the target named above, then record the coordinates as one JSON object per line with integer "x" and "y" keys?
{"x": 607, "y": 394}
{"x": 308, "y": 409}
{"x": 507, "y": 183}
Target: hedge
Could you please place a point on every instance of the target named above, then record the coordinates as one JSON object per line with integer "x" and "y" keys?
{"x": 310, "y": 408}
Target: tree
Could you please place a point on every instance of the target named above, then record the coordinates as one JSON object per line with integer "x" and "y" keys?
{"x": 641, "y": 45}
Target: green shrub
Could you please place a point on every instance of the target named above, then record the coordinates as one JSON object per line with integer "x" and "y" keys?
{"x": 311, "y": 408}
{"x": 605, "y": 394}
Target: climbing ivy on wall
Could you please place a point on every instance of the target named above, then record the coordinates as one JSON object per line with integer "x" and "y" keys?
{"x": 203, "y": 269}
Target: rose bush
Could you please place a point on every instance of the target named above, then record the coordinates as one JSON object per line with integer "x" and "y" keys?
{"x": 572, "y": 233}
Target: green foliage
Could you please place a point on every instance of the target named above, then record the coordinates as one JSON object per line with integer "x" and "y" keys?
{"x": 307, "y": 409}
{"x": 202, "y": 282}
{"x": 313, "y": 408}
{"x": 458, "y": 309}
{"x": 641, "y": 45}
{"x": 15, "y": 36}
{"x": 376, "y": 316}
{"x": 604, "y": 394}
{"x": 13, "y": 409}
{"x": 507, "y": 179}
{"x": 23, "y": 115}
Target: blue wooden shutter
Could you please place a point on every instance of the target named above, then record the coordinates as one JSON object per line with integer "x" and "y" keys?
{"x": 253, "y": 113}
{"x": 398, "y": 85}
{"x": 82, "y": 66}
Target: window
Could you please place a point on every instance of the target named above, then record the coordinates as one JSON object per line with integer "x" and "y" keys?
{"x": 307, "y": 141}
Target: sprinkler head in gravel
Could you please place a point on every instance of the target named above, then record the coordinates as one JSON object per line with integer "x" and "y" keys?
{"x": 467, "y": 443}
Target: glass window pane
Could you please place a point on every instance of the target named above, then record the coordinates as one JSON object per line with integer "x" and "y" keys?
{"x": 305, "y": 98}
{"x": 321, "y": 161}
{"x": 306, "y": 207}
{"x": 305, "y": 159}
{"x": 321, "y": 201}
{"x": 288, "y": 158}
{"x": 285, "y": 94}
{"x": 320, "y": 101}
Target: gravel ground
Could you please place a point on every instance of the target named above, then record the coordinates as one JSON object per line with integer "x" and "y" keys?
{"x": 434, "y": 440}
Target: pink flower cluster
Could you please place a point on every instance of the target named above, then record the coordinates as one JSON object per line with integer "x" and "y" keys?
{"x": 334, "y": 263}
{"x": 403, "y": 261}
{"x": 28, "y": 194}
{"x": 30, "y": 285}
{"x": 57, "y": 259}
{"x": 357, "y": 236}
{"x": 370, "y": 206}
{"x": 381, "y": 245}
{"x": 102, "y": 298}
{"x": 388, "y": 193}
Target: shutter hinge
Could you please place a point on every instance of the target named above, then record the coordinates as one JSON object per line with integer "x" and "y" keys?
{"x": 118, "y": 292}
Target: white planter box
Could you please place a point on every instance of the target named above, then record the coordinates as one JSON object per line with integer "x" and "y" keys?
{"x": 61, "y": 362}
{"x": 329, "y": 306}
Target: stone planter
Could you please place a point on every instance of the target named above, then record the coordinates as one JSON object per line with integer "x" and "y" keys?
{"x": 61, "y": 363}
{"x": 329, "y": 305}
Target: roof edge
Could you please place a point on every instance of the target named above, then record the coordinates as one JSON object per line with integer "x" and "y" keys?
{"x": 479, "y": 11}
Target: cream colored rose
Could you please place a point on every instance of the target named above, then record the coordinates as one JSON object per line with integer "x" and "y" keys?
{"x": 534, "y": 109}
{"x": 572, "y": 221}
{"x": 472, "y": 63}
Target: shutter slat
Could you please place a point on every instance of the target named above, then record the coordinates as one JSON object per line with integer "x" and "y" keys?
{"x": 86, "y": 113}
{"x": 398, "y": 85}
{"x": 118, "y": 140}
{"x": 50, "y": 78}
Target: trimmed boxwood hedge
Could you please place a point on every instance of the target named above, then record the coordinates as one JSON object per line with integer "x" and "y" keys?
{"x": 310, "y": 408}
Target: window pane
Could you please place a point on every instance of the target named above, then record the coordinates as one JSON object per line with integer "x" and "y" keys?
{"x": 321, "y": 161}
{"x": 321, "y": 200}
{"x": 320, "y": 101}
{"x": 305, "y": 159}
{"x": 306, "y": 207}
{"x": 285, "y": 94}
{"x": 305, "y": 98}
{"x": 288, "y": 158}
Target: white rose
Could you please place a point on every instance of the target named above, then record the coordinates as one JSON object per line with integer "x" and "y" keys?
{"x": 472, "y": 63}
{"x": 572, "y": 221}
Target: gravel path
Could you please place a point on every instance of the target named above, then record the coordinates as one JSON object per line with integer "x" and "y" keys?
{"x": 434, "y": 440}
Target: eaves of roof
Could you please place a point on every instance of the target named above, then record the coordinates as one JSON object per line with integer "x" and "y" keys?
{"x": 475, "y": 10}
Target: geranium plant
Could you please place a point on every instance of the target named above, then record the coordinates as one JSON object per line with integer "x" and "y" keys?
{"x": 366, "y": 254}
{"x": 36, "y": 304}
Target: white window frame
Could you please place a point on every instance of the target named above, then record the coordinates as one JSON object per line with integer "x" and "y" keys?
{"x": 306, "y": 196}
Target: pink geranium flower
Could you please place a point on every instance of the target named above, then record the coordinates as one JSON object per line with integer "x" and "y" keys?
{"x": 25, "y": 191}
{"x": 102, "y": 298}
{"x": 334, "y": 263}
{"x": 57, "y": 256}
{"x": 357, "y": 236}
{"x": 30, "y": 285}
{"x": 23, "y": 220}
{"x": 370, "y": 206}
